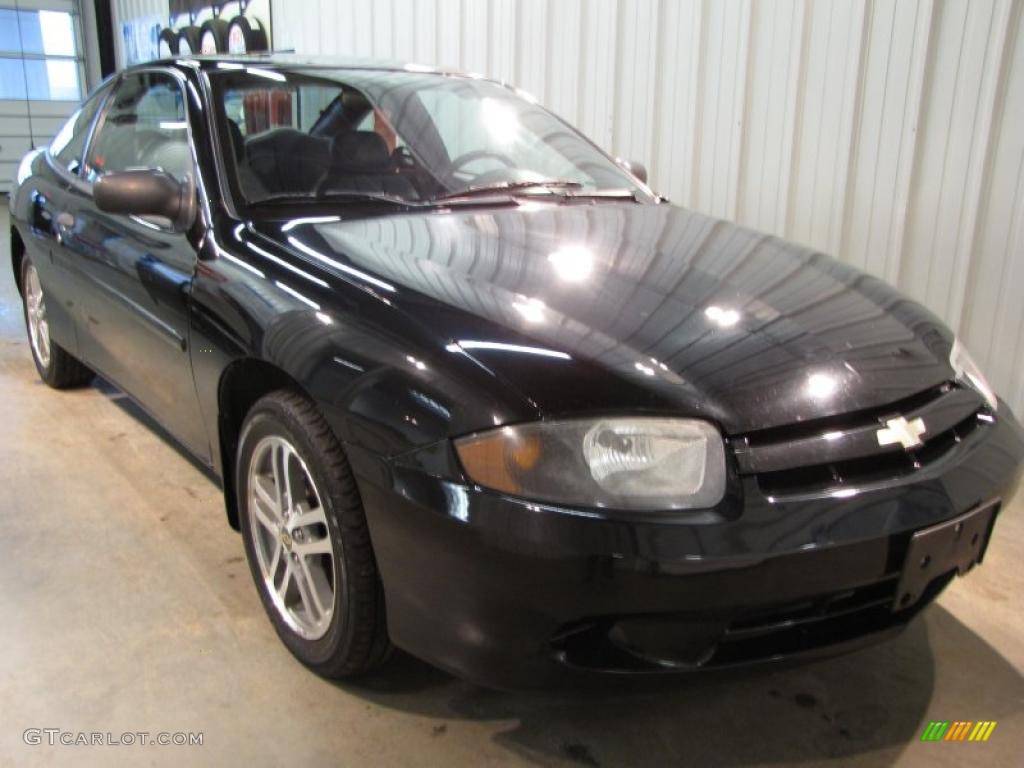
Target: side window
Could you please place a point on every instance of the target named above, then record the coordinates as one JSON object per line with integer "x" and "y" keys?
{"x": 66, "y": 147}
{"x": 143, "y": 126}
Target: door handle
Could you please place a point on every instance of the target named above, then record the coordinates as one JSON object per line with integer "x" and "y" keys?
{"x": 64, "y": 221}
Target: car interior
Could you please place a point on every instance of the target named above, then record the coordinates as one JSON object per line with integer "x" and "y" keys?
{"x": 349, "y": 147}
{"x": 313, "y": 137}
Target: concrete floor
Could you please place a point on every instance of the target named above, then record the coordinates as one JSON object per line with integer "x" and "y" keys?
{"x": 126, "y": 605}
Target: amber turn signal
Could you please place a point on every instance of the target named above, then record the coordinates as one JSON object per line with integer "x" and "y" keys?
{"x": 495, "y": 459}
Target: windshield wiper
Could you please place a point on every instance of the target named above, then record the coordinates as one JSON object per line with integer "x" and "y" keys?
{"x": 507, "y": 186}
{"x": 603, "y": 194}
{"x": 481, "y": 191}
{"x": 291, "y": 197}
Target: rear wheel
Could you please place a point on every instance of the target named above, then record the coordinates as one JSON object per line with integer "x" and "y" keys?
{"x": 55, "y": 365}
{"x": 306, "y": 538}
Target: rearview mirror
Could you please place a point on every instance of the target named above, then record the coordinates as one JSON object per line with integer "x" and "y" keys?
{"x": 147, "y": 193}
{"x": 635, "y": 168}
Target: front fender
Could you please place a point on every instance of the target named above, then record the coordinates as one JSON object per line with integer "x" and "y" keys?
{"x": 385, "y": 383}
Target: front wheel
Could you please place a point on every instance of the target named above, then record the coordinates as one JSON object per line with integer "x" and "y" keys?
{"x": 306, "y": 538}
{"x": 56, "y": 366}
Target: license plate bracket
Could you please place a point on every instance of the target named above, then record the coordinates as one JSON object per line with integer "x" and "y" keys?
{"x": 958, "y": 544}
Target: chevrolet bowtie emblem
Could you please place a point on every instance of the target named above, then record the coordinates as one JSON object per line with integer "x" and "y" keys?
{"x": 899, "y": 430}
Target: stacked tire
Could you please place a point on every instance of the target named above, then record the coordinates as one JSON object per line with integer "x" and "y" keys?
{"x": 240, "y": 35}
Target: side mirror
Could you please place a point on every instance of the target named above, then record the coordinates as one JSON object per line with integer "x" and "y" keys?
{"x": 635, "y": 168}
{"x": 147, "y": 193}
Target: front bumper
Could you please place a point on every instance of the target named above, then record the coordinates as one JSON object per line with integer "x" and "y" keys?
{"x": 512, "y": 594}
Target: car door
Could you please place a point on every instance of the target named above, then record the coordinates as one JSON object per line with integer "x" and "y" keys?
{"x": 44, "y": 232}
{"x": 139, "y": 270}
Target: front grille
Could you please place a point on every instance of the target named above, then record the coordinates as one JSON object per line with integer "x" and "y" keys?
{"x": 834, "y": 619}
{"x": 776, "y": 632}
{"x": 811, "y": 624}
{"x": 844, "y": 453}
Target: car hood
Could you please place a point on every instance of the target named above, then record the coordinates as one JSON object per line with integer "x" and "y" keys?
{"x": 607, "y": 306}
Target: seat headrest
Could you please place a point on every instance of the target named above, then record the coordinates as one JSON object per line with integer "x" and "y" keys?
{"x": 287, "y": 141}
{"x": 360, "y": 152}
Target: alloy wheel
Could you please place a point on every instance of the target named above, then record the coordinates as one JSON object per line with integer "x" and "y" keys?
{"x": 35, "y": 308}
{"x": 291, "y": 538}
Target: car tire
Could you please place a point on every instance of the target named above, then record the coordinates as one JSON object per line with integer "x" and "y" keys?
{"x": 169, "y": 39}
{"x": 245, "y": 36}
{"x": 312, "y": 531}
{"x": 56, "y": 366}
{"x": 189, "y": 41}
{"x": 217, "y": 31}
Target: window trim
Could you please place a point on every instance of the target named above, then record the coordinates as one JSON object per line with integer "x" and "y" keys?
{"x": 102, "y": 115}
{"x": 55, "y": 163}
{"x": 217, "y": 147}
{"x": 114, "y": 81}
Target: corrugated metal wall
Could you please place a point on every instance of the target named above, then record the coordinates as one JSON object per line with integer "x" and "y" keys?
{"x": 127, "y": 10}
{"x": 887, "y": 132}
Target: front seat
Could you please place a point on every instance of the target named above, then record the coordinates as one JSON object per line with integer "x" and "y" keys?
{"x": 288, "y": 161}
{"x": 360, "y": 162}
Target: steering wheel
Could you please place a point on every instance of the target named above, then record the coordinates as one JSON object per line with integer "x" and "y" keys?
{"x": 476, "y": 154}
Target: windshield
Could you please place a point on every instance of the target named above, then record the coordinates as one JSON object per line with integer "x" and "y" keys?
{"x": 400, "y": 136}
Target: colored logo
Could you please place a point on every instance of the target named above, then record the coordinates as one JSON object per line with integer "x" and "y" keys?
{"x": 959, "y": 730}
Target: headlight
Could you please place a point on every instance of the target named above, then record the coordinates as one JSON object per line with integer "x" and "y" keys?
{"x": 967, "y": 371}
{"x": 626, "y": 463}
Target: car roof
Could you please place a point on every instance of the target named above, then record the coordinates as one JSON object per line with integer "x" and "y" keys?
{"x": 293, "y": 61}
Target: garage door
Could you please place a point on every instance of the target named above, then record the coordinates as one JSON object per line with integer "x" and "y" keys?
{"x": 41, "y": 75}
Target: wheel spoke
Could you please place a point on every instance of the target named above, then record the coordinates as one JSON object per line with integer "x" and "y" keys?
{"x": 282, "y": 589}
{"x": 320, "y": 546}
{"x": 275, "y": 561}
{"x": 304, "y": 516}
{"x": 313, "y": 593}
{"x": 266, "y": 498}
{"x": 276, "y": 452}
{"x": 271, "y": 525}
{"x": 286, "y": 475}
{"x": 306, "y": 591}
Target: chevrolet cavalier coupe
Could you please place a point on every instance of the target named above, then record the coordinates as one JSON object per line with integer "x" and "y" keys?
{"x": 474, "y": 391}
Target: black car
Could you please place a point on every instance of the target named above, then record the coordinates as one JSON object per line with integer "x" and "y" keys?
{"x": 474, "y": 391}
